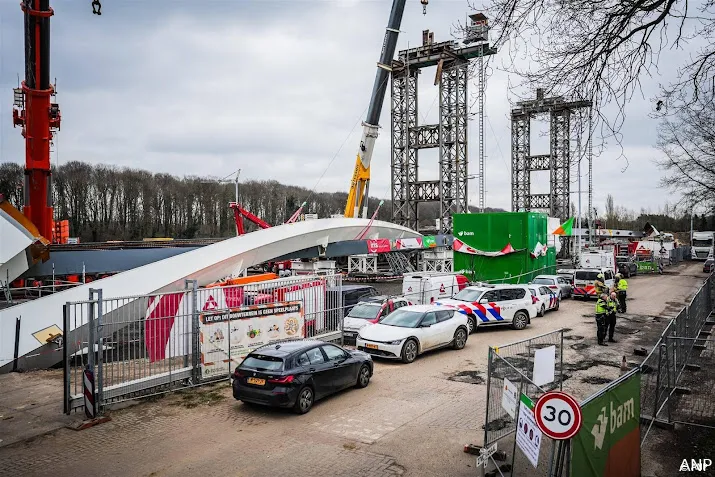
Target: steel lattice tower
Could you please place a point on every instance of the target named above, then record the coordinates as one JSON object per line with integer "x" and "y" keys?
{"x": 482, "y": 180}
{"x": 450, "y": 135}
{"x": 558, "y": 162}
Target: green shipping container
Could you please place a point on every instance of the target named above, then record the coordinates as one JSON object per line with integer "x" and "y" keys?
{"x": 492, "y": 232}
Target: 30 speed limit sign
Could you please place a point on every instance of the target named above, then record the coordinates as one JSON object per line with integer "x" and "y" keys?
{"x": 558, "y": 415}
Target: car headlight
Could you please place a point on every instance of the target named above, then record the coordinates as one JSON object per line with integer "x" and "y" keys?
{"x": 396, "y": 342}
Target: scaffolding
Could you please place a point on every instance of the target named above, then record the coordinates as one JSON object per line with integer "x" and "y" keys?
{"x": 557, "y": 202}
{"x": 450, "y": 135}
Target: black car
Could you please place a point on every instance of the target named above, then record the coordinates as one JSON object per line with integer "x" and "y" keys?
{"x": 626, "y": 267}
{"x": 709, "y": 265}
{"x": 297, "y": 373}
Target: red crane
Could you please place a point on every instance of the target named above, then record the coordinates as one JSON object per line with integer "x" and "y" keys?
{"x": 38, "y": 116}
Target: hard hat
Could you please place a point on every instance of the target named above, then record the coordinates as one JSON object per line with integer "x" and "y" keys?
{"x": 618, "y": 275}
{"x": 600, "y": 275}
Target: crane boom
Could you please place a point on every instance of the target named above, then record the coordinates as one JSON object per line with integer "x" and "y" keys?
{"x": 360, "y": 183}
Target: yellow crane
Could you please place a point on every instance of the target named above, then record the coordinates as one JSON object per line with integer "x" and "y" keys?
{"x": 360, "y": 184}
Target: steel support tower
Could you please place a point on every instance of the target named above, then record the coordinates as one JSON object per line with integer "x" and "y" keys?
{"x": 450, "y": 135}
{"x": 558, "y": 161}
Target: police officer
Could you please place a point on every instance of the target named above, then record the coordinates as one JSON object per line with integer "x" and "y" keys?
{"x": 600, "y": 285}
{"x": 621, "y": 289}
{"x": 611, "y": 317}
{"x": 601, "y": 312}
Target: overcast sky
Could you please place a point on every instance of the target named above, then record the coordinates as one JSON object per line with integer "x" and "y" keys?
{"x": 276, "y": 88}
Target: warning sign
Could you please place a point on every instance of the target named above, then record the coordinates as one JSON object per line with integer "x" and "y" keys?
{"x": 528, "y": 435}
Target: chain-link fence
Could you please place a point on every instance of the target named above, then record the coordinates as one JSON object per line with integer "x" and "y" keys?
{"x": 510, "y": 375}
{"x": 142, "y": 345}
{"x": 671, "y": 391}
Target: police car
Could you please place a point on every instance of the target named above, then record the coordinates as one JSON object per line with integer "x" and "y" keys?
{"x": 548, "y": 299}
{"x": 491, "y": 305}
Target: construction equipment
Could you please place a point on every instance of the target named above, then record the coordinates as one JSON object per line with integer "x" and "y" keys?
{"x": 360, "y": 184}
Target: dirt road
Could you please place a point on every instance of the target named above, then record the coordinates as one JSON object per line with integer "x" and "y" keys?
{"x": 411, "y": 419}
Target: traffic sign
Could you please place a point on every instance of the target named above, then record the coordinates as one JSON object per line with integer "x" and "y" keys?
{"x": 485, "y": 454}
{"x": 558, "y": 415}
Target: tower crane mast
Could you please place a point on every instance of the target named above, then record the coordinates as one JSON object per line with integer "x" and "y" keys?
{"x": 360, "y": 184}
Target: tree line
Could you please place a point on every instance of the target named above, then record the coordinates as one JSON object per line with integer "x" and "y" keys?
{"x": 108, "y": 203}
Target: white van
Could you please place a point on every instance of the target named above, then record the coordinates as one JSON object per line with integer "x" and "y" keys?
{"x": 425, "y": 288}
{"x": 598, "y": 259}
{"x": 584, "y": 278}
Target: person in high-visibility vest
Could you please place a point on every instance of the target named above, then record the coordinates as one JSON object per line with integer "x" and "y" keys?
{"x": 621, "y": 289}
{"x": 611, "y": 317}
{"x": 601, "y": 312}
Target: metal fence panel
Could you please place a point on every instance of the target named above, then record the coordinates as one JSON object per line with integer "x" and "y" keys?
{"x": 515, "y": 362}
{"x": 143, "y": 345}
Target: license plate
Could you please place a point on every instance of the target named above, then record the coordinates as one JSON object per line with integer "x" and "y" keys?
{"x": 257, "y": 381}
{"x": 371, "y": 346}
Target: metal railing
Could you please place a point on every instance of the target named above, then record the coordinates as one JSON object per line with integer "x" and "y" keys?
{"x": 142, "y": 345}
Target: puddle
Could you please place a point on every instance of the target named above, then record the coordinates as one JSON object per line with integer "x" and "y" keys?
{"x": 579, "y": 346}
{"x": 470, "y": 377}
{"x": 573, "y": 337}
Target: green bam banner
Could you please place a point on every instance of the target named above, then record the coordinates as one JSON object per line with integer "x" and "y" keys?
{"x": 429, "y": 241}
{"x": 608, "y": 444}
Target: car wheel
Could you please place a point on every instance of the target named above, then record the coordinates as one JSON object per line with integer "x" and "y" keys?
{"x": 363, "y": 376}
{"x": 460, "y": 338}
{"x": 409, "y": 351}
{"x": 520, "y": 320}
{"x": 304, "y": 401}
{"x": 558, "y": 304}
{"x": 471, "y": 324}
{"x": 542, "y": 312}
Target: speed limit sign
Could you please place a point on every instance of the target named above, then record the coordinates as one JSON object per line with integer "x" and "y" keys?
{"x": 558, "y": 415}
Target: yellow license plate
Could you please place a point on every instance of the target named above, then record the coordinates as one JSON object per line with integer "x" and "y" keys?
{"x": 257, "y": 381}
{"x": 371, "y": 346}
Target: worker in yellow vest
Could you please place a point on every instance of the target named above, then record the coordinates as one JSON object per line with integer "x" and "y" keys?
{"x": 601, "y": 312}
{"x": 611, "y": 316}
{"x": 621, "y": 289}
{"x": 600, "y": 285}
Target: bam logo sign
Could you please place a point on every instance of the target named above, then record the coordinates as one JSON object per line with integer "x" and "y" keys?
{"x": 619, "y": 416}
{"x": 695, "y": 465}
{"x": 608, "y": 444}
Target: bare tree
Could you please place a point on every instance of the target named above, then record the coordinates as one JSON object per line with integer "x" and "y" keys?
{"x": 600, "y": 49}
{"x": 688, "y": 142}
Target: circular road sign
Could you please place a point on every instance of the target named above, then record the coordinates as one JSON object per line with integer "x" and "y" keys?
{"x": 558, "y": 415}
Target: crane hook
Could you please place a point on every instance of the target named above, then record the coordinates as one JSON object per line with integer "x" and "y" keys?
{"x": 96, "y": 7}
{"x": 424, "y": 6}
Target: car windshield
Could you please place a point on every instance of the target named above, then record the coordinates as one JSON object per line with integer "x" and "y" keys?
{"x": 468, "y": 295}
{"x": 261, "y": 362}
{"x": 365, "y": 311}
{"x": 587, "y": 275}
{"x": 403, "y": 319}
{"x": 702, "y": 243}
{"x": 543, "y": 281}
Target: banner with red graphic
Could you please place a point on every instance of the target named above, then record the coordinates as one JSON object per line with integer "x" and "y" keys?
{"x": 459, "y": 246}
{"x": 401, "y": 244}
{"x": 378, "y": 246}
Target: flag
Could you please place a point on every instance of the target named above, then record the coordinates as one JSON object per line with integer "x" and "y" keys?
{"x": 565, "y": 229}
{"x": 539, "y": 250}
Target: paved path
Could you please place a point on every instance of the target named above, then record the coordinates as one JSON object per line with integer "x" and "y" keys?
{"x": 411, "y": 419}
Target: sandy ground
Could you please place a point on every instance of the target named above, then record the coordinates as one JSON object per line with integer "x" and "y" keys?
{"x": 411, "y": 419}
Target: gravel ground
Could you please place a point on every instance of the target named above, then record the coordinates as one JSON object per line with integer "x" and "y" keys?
{"x": 411, "y": 420}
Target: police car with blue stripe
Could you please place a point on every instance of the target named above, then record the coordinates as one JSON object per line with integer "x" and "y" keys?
{"x": 491, "y": 305}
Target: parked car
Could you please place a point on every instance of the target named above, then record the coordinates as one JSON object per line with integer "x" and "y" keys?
{"x": 488, "y": 305}
{"x": 548, "y": 299}
{"x": 567, "y": 274}
{"x": 709, "y": 265}
{"x": 295, "y": 374}
{"x": 626, "y": 266}
{"x": 412, "y": 330}
{"x": 556, "y": 283}
{"x": 369, "y": 310}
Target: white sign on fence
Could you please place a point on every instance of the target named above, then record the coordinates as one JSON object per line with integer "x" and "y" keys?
{"x": 544, "y": 365}
{"x": 528, "y": 435}
{"x": 243, "y": 330}
{"x": 509, "y": 398}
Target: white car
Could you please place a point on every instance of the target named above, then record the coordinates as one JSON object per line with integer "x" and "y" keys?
{"x": 410, "y": 331}
{"x": 488, "y": 305}
{"x": 548, "y": 299}
{"x": 368, "y": 311}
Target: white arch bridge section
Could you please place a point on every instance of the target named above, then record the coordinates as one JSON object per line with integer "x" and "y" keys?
{"x": 206, "y": 265}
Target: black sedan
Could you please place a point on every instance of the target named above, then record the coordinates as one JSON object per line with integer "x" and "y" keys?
{"x": 709, "y": 265}
{"x": 298, "y": 373}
